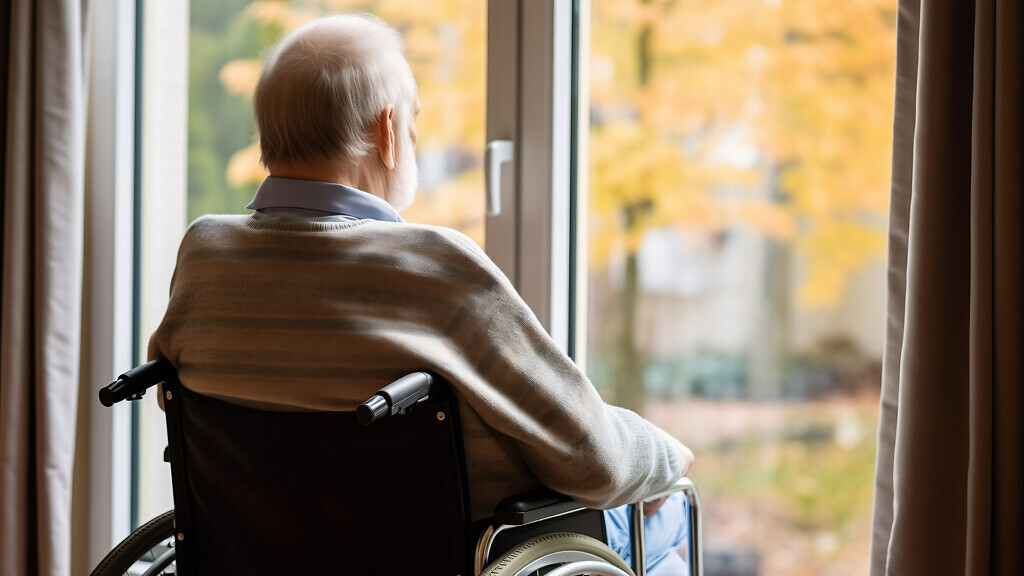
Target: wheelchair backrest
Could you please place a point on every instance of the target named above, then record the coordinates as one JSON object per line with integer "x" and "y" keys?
{"x": 263, "y": 492}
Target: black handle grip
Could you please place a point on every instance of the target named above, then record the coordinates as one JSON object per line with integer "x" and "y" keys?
{"x": 395, "y": 398}
{"x": 133, "y": 383}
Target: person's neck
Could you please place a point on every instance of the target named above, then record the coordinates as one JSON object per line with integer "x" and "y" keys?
{"x": 315, "y": 172}
{"x": 358, "y": 177}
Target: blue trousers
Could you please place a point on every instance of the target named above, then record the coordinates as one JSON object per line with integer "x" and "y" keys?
{"x": 664, "y": 534}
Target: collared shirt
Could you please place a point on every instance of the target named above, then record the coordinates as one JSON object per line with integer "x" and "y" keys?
{"x": 289, "y": 199}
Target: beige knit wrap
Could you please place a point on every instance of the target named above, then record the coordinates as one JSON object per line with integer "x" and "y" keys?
{"x": 318, "y": 316}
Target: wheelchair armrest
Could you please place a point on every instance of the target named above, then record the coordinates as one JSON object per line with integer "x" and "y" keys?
{"x": 532, "y": 506}
{"x": 531, "y": 514}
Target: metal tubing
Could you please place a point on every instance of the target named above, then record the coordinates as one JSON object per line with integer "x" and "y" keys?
{"x": 636, "y": 538}
{"x": 158, "y": 565}
{"x": 486, "y": 540}
{"x": 636, "y": 526}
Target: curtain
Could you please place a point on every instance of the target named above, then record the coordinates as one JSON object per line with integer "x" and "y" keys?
{"x": 949, "y": 481}
{"x": 43, "y": 169}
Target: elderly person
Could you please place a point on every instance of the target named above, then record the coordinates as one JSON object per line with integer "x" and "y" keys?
{"x": 324, "y": 294}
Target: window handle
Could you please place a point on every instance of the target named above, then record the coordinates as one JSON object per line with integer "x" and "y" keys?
{"x": 498, "y": 152}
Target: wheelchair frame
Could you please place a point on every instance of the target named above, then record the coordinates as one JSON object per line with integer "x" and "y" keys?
{"x": 519, "y": 511}
{"x": 505, "y": 519}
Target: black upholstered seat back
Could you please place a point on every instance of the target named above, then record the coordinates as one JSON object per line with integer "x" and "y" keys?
{"x": 260, "y": 492}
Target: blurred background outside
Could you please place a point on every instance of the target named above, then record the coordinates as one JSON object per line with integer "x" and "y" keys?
{"x": 739, "y": 168}
{"x": 736, "y": 228}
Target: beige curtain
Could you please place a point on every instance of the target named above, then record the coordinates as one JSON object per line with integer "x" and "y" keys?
{"x": 42, "y": 282}
{"x": 950, "y": 468}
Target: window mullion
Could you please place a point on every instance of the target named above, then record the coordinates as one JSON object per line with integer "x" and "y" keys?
{"x": 543, "y": 163}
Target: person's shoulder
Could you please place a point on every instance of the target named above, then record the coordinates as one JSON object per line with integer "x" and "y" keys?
{"x": 444, "y": 238}
{"x": 210, "y": 225}
{"x": 443, "y": 244}
{"x": 206, "y": 232}
{"x": 426, "y": 238}
{"x": 213, "y": 222}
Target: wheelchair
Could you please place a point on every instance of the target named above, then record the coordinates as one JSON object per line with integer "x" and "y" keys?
{"x": 378, "y": 490}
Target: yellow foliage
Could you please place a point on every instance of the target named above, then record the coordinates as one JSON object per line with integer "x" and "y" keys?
{"x": 241, "y": 76}
{"x": 708, "y": 115}
{"x": 245, "y": 168}
{"x": 833, "y": 249}
{"x": 726, "y": 113}
{"x": 282, "y": 14}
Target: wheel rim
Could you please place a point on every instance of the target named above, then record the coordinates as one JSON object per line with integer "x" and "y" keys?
{"x": 147, "y": 547}
{"x": 558, "y": 549}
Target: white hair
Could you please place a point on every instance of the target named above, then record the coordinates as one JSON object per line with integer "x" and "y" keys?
{"x": 324, "y": 87}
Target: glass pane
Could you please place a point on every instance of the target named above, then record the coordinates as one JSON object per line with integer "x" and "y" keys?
{"x": 446, "y": 48}
{"x": 738, "y": 193}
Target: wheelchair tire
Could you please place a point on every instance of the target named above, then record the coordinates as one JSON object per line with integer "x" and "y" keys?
{"x": 147, "y": 544}
{"x": 551, "y": 550}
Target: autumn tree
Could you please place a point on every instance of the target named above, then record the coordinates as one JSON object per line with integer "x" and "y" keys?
{"x": 678, "y": 86}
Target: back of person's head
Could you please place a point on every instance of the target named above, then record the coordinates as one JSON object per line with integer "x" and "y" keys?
{"x": 324, "y": 86}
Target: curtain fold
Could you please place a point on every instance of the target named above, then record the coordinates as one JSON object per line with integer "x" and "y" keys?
{"x": 42, "y": 283}
{"x": 949, "y": 466}
{"x": 1007, "y": 137}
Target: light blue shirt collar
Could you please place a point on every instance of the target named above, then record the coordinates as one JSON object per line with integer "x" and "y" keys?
{"x": 283, "y": 195}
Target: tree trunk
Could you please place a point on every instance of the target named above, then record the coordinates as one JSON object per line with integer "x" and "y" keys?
{"x": 629, "y": 366}
{"x": 628, "y": 373}
{"x": 769, "y": 363}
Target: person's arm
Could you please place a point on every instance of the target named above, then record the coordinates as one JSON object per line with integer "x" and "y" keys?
{"x": 158, "y": 340}
{"x": 524, "y": 387}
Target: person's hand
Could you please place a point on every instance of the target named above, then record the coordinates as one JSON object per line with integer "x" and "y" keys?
{"x": 651, "y": 507}
{"x": 688, "y": 458}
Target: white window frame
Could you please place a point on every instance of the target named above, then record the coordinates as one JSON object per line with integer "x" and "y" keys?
{"x": 111, "y": 233}
{"x": 529, "y": 102}
{"x": 109, "y": 253}
{"x": 163, "y": 179}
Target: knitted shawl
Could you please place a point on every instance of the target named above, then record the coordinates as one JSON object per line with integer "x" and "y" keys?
{"x": 318, "y": 316}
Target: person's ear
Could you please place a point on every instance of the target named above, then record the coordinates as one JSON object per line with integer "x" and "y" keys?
{"x": 384, "y": 137}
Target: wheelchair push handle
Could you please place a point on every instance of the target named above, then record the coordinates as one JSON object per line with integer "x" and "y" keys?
{"x": 133, "y": 384}
{"x": 395, "y": 398}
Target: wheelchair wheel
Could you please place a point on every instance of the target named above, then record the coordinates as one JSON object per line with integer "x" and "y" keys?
{"x": 148, "y": 551}
{"x": 545, "y": 554}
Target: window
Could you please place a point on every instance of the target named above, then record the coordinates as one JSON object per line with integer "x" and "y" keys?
{"x": 696, "y": 210}
{"x": 201, "y": 64}
{"x": 736, "y": 227}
